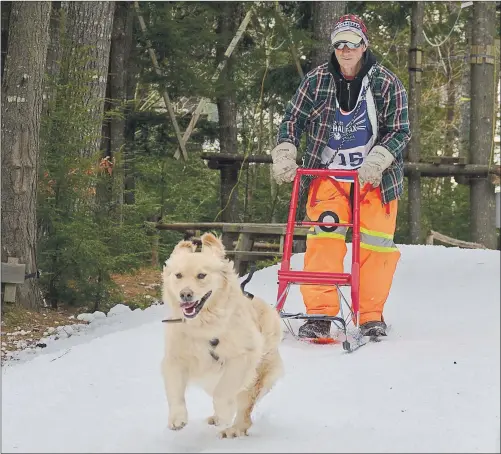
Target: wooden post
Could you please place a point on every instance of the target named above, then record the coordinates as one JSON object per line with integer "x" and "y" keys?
{"x": 483, "y": 94}
{"x": 244, "y": 243}
{"x": 429, "y": 238}
{"x": 415, "y": 72}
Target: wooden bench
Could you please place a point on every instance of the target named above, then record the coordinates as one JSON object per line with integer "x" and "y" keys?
{"x": 13, "y": 273}
{"x": 245, "y": 247}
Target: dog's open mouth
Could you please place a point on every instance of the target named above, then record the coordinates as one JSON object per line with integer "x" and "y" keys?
{"x": 191, "y": 309}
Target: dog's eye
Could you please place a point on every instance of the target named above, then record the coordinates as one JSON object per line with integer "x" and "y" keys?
{"x": 201, "y": 275}
{"x": 179, "y": 275}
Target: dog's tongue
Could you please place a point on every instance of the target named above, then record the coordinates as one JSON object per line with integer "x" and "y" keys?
{"x": 189, "y": 310}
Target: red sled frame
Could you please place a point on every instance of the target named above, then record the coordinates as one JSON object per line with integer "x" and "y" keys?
{"x": 286, "y": 277}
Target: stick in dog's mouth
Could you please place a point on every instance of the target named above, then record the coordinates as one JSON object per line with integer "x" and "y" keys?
{"x": 191, "y": 310}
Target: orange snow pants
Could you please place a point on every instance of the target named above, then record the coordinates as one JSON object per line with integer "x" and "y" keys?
{"x": 326, "y": 248}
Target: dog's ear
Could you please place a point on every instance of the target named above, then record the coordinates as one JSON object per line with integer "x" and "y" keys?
{"x": 184, "y": 246}
{"x": 212, "y": 243}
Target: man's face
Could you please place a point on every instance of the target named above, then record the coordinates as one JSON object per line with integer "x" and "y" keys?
{"x": 349, "y": 57}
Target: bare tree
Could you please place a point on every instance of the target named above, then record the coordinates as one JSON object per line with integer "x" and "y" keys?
{"x": 21, "y": 110}
{"x": 482, "y": 196}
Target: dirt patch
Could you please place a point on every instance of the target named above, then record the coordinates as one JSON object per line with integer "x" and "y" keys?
{"x": 146, "y": 281}
{"x": 22, "y": 328}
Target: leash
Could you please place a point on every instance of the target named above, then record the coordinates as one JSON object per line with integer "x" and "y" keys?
{"x": 173, "y": 320}
{"x": 247, "y": 280}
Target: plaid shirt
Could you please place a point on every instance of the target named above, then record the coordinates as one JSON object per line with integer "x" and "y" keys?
{"x": 313, "y": 109}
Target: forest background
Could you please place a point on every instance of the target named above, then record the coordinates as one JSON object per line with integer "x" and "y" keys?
{"x": 101, "y": 125}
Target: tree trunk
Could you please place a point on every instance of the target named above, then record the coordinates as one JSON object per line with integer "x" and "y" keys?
{"x": 54, "y": 53}
{"x": 464, "y": 140}
{"x": 119, "y": 57}
{"x": 113, "y": 139}
{"x": 132, "y": 69}
{"x": 89, "y": 26}
{"x": 325, "y": 15}
{"x": 21, "y": 110}
{"x": 6, "y": 7}
{"x": 414, "y": 147}
{"x": 227, "y": 110}
{"x": 482, "y": 196}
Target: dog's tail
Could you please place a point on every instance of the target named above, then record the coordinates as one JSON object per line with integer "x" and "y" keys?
{"x": 247, "y": 280}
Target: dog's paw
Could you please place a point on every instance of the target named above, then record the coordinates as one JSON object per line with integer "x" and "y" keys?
{"x": 177, "y": 423}
{"x": 178, "y": 420}
{"x": 233, "y": 432}
{"x": 213, "y": 421}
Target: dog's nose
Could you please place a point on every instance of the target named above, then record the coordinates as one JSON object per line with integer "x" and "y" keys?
{"x": 186, "y": 295}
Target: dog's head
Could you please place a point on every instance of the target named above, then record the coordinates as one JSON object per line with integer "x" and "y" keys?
{"x": 193, "y": 281}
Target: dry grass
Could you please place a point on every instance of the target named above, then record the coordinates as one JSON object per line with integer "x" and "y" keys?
{"x": 22, "y": 328}
{"x": 145, "y": 281}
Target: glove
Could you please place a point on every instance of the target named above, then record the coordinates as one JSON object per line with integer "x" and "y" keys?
{"x": 284, "y": 162}
{"x": 371, "y": 171}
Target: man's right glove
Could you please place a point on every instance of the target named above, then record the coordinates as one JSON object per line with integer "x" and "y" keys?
{"x": 284, "y": 162}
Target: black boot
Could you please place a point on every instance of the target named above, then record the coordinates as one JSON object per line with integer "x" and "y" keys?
{"x": 373, "y": 329}
{"x": 314, "y": 329}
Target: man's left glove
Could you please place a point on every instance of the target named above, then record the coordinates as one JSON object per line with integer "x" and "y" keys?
{"x": 284, "y": 162}
{"x": 371, "y": 171}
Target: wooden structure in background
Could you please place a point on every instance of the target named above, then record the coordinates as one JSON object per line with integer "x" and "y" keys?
{"x": 415, "y": 68}
{"x": 439, "y": 166}
{"x": 432, "y": 235}
{"x": 247, "y": 249}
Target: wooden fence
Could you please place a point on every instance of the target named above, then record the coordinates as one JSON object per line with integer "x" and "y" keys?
{"x": 432, "y": 235}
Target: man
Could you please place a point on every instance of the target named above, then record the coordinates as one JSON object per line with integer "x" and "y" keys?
{"x": 354, "y": 112}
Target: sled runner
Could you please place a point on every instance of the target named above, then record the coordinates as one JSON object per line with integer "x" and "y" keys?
{"x": 350, "y": 339}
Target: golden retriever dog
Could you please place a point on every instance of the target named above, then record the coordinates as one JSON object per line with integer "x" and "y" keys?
{"x": 217, "y": 338}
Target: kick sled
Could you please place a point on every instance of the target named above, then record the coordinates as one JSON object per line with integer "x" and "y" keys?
{"x": 348, "y": 329}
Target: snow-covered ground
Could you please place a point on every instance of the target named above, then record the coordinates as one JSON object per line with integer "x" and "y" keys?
{"x": 432, "y": 386}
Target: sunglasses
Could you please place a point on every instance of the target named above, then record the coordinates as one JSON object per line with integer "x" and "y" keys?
{"x": 341, "y": 45}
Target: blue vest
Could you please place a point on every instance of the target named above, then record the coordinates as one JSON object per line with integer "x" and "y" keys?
{"x": 353, "y": 133}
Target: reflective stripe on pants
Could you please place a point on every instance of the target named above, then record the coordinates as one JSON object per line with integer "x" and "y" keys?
{"x": 326, "y": 251}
